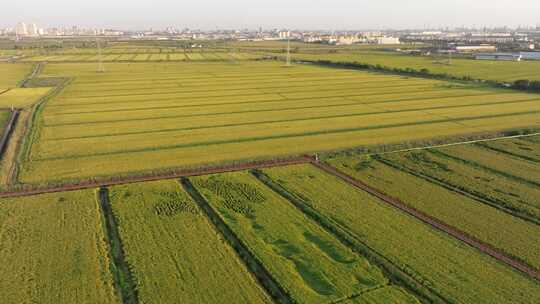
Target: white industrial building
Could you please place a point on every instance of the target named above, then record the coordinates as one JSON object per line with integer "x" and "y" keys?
{"x": 498, "y": 56}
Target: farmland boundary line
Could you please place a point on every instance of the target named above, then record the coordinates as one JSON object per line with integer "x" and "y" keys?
{"x": 433, "y": 222}
{"x": 171, "y": 175}
{"x": 256, "y": 267}
{"x": 460, "y": 191}
{"x": 120, "y": 270}
{"x": 348, "y": 239}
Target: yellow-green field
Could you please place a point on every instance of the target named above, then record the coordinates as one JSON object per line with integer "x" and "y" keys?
{"x": 53, "y": 250}
{"x": 175, "y": 254}
{"x": 143, "y": 56}
{"x": 452, "y": 269}
{"x": 146, "y": 116}
{"x": 495, "y": 227}
{"x": 310, "y": 264}
{"x": 21, "y": 97}
{"x": 479, "y": 69}
{"x": 12, "y": 73}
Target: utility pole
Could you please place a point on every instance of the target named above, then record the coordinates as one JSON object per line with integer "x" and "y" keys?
{"x": 101, "y": 68}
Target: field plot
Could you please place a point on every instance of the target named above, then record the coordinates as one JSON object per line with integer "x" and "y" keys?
{"x": 174, "y": 253}
{"x": 502, "y": 191}
{"x": 499, "y": 229}
{"x": 481, "y": 69}
{"x": 310, "y": 264}
{"x": 12, "y": 73}
{"x": 454, "y": 270}
{"x": 148, "y": 116}
{"x": 528, "y": 148}
{"x": 53, "y": 250}
{"x": 496, "y": 162}
{"x": 21, "y": 97}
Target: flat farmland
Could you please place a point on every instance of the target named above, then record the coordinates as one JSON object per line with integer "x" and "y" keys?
{"x": 480, "y": 69}
{"x": 501, "y": 230}
{"x": 12, "y": 73}
{"x": 21, "y": 97}
{"x": 152, "y": 56}
{"x": 174, "y": 252}
{"x": 452, "y": 269}
{"x": 144, "y": 116}
{"x": 508, "y": 193}
{"x": 308, "y": 262}
{"x": 53, "y": 250}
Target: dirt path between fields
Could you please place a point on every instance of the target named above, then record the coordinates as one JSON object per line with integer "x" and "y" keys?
{"x": 452, "y": 231}
{"x": 176, "y": 174}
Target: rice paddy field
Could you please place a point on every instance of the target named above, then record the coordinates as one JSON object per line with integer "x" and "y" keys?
{"x": 53, "y": 250}
{"x": 311, "y": 265}
{"x": 143, "y": 56}
{"x": 455, "y": 271}
{"x": 21, "y": 97}
{"x": 12, "y": 74}
{"x": 502, "y": 190}
{"x": 141, "y": 117}
{"x": 507, "y": 71}
{"x": 495, "y": 227}
{"x": 289, "y": 234}
{"x": 174, "y": 253}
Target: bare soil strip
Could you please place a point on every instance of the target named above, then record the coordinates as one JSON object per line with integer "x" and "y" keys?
{"x": 456, "y": 233}
{"x": 4, "y": 140}
{"x": 155, "y": 177}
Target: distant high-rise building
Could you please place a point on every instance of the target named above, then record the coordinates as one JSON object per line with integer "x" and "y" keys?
{"x": 32, "y": 29}
{"x": 21, "y": 29}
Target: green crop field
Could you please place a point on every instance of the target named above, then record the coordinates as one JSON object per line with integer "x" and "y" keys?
{"x": 506, "y": 192}
{"x": 496, "y": 162}
{"x": 12, "y": 73}
{"x": 309, "y": 263}
{"x": 151, "y": 116}
{"x": 528, "y": 149}
{"x": 479, "y": 69}
{"x": 53, "y": 250}
{"x": 492, "y": 226}
{"x": 174, "y": 253}
{"x": 454, "y": 270}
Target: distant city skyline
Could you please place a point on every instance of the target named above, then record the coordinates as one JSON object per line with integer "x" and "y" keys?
{"x": 300, "y": 14}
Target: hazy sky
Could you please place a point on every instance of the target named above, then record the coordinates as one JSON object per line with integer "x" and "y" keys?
{"x": 303, "y": 14}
